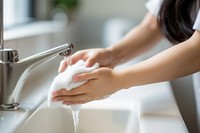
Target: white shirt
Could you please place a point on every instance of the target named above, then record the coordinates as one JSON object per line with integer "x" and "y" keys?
{"x": 197, "y": 22}
{"x": 154, "y": 6}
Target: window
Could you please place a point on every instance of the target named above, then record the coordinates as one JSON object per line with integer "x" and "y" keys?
{"x": 17, "y": 12}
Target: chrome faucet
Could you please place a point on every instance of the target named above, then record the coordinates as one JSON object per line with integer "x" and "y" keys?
{"x": 14, "y": 72}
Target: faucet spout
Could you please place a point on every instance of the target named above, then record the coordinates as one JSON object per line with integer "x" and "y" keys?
{"x": 33, "y": 61}
{"x": 14, "y": 72}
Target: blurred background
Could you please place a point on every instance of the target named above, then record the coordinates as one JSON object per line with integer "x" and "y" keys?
{"x": 87, "y": 23}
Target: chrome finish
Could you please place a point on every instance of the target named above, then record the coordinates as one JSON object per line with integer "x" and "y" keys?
{"x": 67, "y": 52}
{"x": 9, "y": 55}
{"x": 9, "y": 107}
{"x": 1, "y": 25}
{"x": 14, "y": 72}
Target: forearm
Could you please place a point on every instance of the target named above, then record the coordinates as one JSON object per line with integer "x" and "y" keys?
{"x": 177, "y": 61}
{"x": 137, "y": 41}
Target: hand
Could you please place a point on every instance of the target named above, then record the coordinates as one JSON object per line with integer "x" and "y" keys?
{"x": 101, "y": 82}
{"x": 91, "y": 56}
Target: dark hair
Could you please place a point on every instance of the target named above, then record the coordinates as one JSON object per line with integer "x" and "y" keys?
{"x": 175, "y": 19}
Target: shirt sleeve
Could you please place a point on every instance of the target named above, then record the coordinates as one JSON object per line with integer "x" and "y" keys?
{"x": 154, "y": 6}
{"x": 197, "y": 22}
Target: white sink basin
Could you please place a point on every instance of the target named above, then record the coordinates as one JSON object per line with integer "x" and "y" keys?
{"x": 97, "y": 117}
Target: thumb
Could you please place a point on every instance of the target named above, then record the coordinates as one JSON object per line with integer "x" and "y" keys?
{"x": 63, "y": 66}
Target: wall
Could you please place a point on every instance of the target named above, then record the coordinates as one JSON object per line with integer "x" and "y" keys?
{"x": 112, "y": 8}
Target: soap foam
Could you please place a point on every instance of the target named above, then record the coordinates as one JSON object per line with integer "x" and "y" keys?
{"x": 64, "y": 80}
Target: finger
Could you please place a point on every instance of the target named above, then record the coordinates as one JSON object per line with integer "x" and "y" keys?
{"x": 80, "y": 55}
{"x": 76, "y": 102}
{"x": 58, "y": 92}
{"x": 64, "y": 92}
{"x": 63, "y": 66}
{"x": 85, "y": 76}
{"x": 75, "y": 98}
{"x": 75, "y": 91}
{"x": 90, "y": 61}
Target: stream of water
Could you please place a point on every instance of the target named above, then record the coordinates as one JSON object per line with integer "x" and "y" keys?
{"x": 75, "y": 114}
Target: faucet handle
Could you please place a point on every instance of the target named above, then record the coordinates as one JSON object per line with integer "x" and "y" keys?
{"x": 9, "y": 55}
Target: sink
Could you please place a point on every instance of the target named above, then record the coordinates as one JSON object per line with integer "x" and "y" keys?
{"x": 136, "y": 110}
{"x": 95, "y": 117}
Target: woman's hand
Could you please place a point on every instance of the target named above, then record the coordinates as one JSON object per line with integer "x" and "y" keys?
{"x": 101, "y": 83}
{"x": 103, "y": 56}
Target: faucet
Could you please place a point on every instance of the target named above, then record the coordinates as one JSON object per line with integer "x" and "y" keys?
{"x": 14, "y": 72}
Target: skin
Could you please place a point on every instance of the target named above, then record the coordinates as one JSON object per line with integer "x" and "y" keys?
{"x": 175, "y": 62}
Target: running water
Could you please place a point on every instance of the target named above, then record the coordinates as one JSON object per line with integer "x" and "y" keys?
{"x": 75, "y": 114}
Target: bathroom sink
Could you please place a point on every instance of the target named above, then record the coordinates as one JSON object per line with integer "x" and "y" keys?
{"x": 95, "y": 117}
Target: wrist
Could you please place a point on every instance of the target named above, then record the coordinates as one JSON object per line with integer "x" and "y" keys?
{"x": 113, "y": 56}
{"x": 121, "y": 80}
